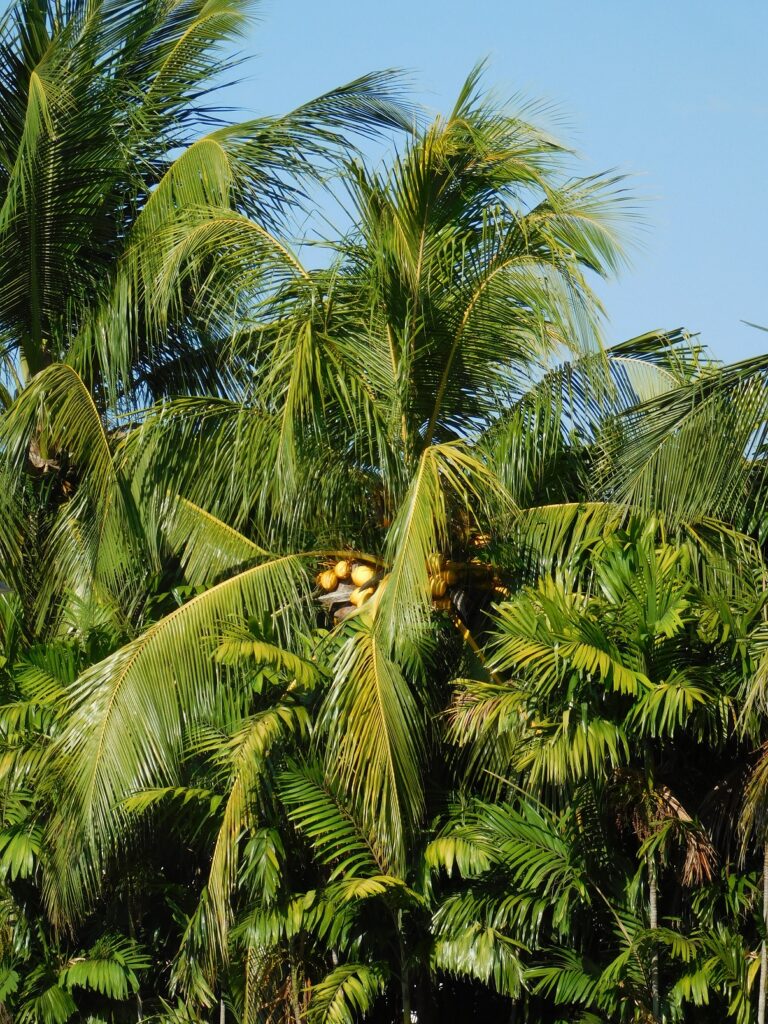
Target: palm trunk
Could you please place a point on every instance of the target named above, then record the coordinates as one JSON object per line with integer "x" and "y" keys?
{"x": 653, "y": 905}
{"x": 764, "y": 947}
{"x": 249, "y": 1001}
{"x": 295, "y": 1004}
{"x": 132, "y": 935}
{"x": 405, "y": 979}
{"x": 222, "y": 1012}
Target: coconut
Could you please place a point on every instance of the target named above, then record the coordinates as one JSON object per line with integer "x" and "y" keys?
{"x": 442, "y": 604}
{"x": 328, "y": 580}
{"x": 438, "y": 586}
{"x": 360, "y": 595}
{"x": 435, "y": 564}
{"x": 361, "y": 574}
{"x": 343, "y": 569}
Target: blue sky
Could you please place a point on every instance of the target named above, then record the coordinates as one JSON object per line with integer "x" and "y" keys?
{"x": 675, "y": 93}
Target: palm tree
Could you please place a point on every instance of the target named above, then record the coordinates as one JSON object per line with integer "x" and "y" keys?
{"x": 363, "y": 388}
{"x": 109, "y": 138}
{"x": 110, "y": 145}
{"x": 607, "y": 680}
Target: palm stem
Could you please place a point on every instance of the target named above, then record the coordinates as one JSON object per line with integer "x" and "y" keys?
{"x": 295, "y": 1005}
{"x": 473, "y": 645}
{"x": 405, "y": 980}
{"x": 653, "y": 901}
{"x": 764, "y": 947}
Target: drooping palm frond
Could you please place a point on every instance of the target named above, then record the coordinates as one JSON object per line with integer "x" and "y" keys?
{"x": 699, "y": 450}
{"x": 376, "y": 738}
{"x": 319, "y": 811}
{"x": 484, "y": 954}
{"x": 447, "y": 474}
{"x": 111, "y": 967}
{"x": 93, "y": 537}
{"x": 161, "y": 678}
{"x": 248, "y": 751}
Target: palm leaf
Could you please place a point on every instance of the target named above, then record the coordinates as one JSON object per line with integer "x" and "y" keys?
{"x": 161, "y": 678}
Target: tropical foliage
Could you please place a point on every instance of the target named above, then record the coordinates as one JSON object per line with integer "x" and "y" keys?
{"x": 377, "y": 643}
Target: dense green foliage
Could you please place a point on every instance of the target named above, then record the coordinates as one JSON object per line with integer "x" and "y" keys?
{"x": 526, "y": 779}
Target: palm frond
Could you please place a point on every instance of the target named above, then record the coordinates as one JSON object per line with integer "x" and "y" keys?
{"x": 164, "y": 676}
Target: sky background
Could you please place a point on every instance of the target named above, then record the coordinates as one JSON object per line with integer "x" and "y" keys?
{"x": 674, "y": 93}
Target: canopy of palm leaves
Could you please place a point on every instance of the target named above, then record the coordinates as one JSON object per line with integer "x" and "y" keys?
{"x": 521, "y": 771}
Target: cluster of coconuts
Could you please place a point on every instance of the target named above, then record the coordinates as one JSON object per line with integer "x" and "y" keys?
{"x": 442, "y": 570}
{"x": 350, "y": 583}
{"x": 356, "y": 581}
{"x": 364, "y": 577}
{"x": 442, "y": 575}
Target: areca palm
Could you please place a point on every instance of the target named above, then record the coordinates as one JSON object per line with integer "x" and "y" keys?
{"x": 608, "y": 681}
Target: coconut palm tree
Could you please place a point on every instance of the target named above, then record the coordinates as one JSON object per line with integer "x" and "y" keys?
{"x": 110, "y": 143}
{"x": 366, "y": 387}
{"x": 109, "y": 137}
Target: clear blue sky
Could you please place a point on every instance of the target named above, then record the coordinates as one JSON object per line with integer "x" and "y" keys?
{"x": 674, "y": 92}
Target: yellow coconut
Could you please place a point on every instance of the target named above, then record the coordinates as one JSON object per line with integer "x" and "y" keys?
{"x": 360, "y": 595}
{"x": 343, "y": 569}
{"x": 442, "y": 604}
{"x": 361, "y": 574}
{"x": 328, "y": 580}
{"x": 438, "y": 586}
{"x": 450, "y": 576}
{"x": 435, "y": 563}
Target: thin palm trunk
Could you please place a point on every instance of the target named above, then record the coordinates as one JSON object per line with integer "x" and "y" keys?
{"x": 132, "y": 935}
{"x": 249, "y": 996}
{"x": 405, "y": 980}
{"x": 295, "y": 1004}
{"x": 764, "y": 947}
{"x": 653, "y": 903}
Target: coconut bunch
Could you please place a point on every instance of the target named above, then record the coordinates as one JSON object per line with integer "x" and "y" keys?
{"x": 349, "y": 584}
{"x": 450, "y": 580}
